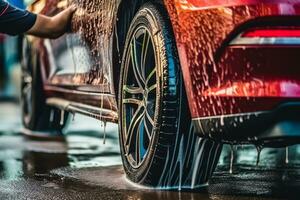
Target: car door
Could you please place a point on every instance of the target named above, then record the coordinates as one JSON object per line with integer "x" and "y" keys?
{"x": 60, "y": 60}
{"x": 91, "y": 44}
{"x": 81, "y": 59}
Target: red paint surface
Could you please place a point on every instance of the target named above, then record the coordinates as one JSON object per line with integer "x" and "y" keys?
{"x": 216, "y": 3}
{"x": 262, "y": 76}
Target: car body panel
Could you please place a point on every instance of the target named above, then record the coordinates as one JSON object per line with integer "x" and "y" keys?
{"x": 77, "y": 66}
{"x": 222, "y": 77}
{"x": 82, "y": 57}
{"x": 204, "y": 29}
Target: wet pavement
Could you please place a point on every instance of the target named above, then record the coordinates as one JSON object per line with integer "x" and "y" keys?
{"x": 82, "y": 167}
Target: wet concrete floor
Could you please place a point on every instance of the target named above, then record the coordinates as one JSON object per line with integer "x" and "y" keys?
{"x": 82, "y": 167}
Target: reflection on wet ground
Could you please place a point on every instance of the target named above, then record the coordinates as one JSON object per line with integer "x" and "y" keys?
{"x": 83, "y": 167}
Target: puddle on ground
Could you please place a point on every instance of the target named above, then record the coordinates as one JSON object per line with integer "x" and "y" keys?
{"x": 84, "y": 158}
{"x": 83, "y": 147}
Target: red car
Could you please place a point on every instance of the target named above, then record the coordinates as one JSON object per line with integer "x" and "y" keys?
{"x": 181, "y": 77}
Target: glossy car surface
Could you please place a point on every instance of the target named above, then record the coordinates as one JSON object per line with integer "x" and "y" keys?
{"x": 239, "y": 60}
{"x": 227, "y": 76}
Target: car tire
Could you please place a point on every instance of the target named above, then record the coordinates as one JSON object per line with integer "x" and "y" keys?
{"x": 159, "y": 147}
{"x": 38, "y": 118}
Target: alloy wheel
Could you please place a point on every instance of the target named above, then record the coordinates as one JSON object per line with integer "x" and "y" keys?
{"x": 139, "y": 97}
{"x": 26, "y": 84}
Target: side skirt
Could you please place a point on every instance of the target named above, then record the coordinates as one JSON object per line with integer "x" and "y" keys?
{"x": 74, "y": 107}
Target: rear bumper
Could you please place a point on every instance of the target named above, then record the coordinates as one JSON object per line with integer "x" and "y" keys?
{"x": 254, "y": 77}
{"x": 278, "y": 127}
{"x": 225, "y": 78}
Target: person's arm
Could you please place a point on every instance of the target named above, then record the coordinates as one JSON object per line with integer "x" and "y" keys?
{"x": 52, "y": 27}
{"x": 14, "y": 21}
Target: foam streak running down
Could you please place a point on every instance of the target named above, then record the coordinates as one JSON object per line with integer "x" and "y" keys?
{"x": 194, "y": 153}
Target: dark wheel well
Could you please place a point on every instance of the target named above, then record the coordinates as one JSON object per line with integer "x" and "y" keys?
{"x": 126, "y": 12}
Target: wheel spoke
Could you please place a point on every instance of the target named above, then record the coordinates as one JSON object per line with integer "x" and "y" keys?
{"x": 133, "y": 90}
{"x": 153, "y": 72}
{"x": 149, "y": 117}
{"x": 132, "y": 101}
{"x": 27, "y": 89}
{"x": 145, "y": 45}
{"x": 134, "y": 124}
{"x": 147, "y": 129}
{"x": 27, "y": 78}
{"x": 29, "y": 107}
{"x": 135, "y": 65}
{"x": 27, "y": 96}
{"x": 152, "y": 87}
{"x": 138, "y": 147}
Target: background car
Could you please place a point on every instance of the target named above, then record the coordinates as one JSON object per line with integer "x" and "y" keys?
{"x": 1, "y": 61}
{"x": 180, "y": 77}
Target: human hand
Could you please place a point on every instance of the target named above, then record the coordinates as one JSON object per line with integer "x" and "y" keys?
{"x": 62, "y": 21}
{"x": 53, "y": 27}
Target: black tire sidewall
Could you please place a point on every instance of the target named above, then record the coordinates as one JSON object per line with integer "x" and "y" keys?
{"x": 147, "y": 16}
